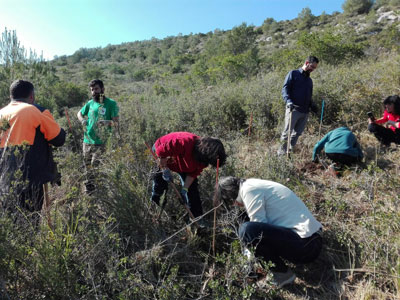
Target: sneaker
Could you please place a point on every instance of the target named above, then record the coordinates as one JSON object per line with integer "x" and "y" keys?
{"x": 280, "y": 279}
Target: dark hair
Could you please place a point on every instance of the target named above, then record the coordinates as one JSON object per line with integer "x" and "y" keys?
{"x": 228, "y": 189}
{"x": 395, "y": 99}
{"x": 21, "y": 89}
{"x": 207, "y": 150}
{"x": 312, "y": 59}
{"x": 93, "y": 82}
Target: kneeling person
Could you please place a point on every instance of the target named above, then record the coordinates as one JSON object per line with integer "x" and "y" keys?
{"x": 280, "y": 227}
{"x": 340, "y": 146}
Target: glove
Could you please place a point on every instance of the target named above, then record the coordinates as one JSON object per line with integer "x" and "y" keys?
{"x": 184, "y": 195}
{"x": 166, "y": 175}
{"x": 314, "y": 108}
{"x": 290, "y": 105}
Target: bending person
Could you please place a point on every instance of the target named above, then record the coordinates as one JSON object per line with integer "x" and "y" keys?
{"x": 391, "y": 117}
{"x": 186, "y": 154}
{"x": 280, "y": 227}
{"x": 340, "y": 145}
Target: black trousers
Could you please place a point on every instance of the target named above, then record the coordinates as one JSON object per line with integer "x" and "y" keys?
{"x": 384, "y": 135}
{"x": 274, "y": 243}
{"x": 343, "y": 158}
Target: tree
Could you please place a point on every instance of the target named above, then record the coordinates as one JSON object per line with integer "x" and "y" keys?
{"x": 357, "y": 7}
{"x": 11, "y": 51}
{"x": 239, "y": 39}
{"x": 305, "y": 19}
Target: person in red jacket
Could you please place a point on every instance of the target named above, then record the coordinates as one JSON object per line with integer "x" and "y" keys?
{"x": 186, "y": 154}
{"x": 391, "y": 116}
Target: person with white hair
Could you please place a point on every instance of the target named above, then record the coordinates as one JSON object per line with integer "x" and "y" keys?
{"x": 280, "y": 226}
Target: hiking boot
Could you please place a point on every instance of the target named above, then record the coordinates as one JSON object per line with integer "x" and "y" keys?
{"x": 280, "y": 279}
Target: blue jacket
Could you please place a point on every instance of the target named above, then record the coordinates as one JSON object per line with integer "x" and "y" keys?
{"x": 297, "y": 89}
{"x": 339, "y": 140}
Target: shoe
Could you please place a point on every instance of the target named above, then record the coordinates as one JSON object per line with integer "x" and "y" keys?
{"x": 280, "y": 279}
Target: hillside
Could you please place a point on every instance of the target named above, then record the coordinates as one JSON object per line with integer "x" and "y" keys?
{"x": 115, "y": 244}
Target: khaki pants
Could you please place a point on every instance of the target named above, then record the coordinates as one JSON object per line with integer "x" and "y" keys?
{"x": 91, "y": 154}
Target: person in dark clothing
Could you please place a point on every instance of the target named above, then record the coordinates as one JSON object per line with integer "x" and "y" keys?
{"x": 297, "y": 93}
{"x": 391, "y": 117}
{"x": 27, "y": 131}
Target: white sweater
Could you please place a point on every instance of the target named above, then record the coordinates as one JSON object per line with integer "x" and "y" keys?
{"x": 273, "y": 203}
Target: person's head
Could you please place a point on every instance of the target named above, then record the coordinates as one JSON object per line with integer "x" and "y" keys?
{"x": 392, "y": 104}
{"x": 96, "y": 87}
{"x": 310, "y": 64}
{"x": 208, "y": 150}
{"x": 228, "y": 189}
{"x": 22, "y": 90}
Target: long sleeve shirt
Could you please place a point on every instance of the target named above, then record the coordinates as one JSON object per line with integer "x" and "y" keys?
{"x": 34, "y": 127}
{"x": 273, "y": 203}
{"x": 340, "y": 140}
{"x": 298, "y": 89}
{"x": 388, "y": 117}
{"x": 179, "y": 147}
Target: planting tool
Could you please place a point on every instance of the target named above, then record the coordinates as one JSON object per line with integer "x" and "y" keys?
{"x": 215, "y": 205}
{"x": 173, "y": 187}
{"x": 289, "y": 133}
{"x": 322, "y": 115}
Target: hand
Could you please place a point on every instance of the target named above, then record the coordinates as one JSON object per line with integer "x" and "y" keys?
{"x": 166, "y": 175}
{"x": 84, "y": 122}
{"x": 184, "y": 195}
{"x": 290, "y": 106}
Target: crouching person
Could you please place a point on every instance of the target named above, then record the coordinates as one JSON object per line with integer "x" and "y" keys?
{"x": 280, "y": 227}
{"x": 341, "y": 146}
{"x": 187, "y": 154}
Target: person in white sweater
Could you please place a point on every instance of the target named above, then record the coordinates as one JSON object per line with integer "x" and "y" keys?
{"x": 280, "y": 226}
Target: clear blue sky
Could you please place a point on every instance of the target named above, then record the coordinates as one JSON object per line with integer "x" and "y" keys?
{"x": 60, "y": 27}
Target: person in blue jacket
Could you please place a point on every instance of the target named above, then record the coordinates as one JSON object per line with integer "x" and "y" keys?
{"x": 340, "y": 146}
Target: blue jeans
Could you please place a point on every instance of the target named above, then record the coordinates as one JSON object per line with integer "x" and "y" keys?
{"x": 274, "y": 243}
{"x": 160, "y": 186}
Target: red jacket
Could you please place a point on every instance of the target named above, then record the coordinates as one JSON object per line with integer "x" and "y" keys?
{"x": 179, "y": 146}
{"x": 388, "y": 117}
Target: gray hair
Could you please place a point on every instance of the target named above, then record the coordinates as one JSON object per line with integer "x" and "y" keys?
{"x": 228, "y": 188}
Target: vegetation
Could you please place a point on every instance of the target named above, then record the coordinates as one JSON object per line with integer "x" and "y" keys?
{"x": 117, "y": 245}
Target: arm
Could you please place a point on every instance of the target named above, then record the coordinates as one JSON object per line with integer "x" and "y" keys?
{"x": 188, "y": 182}
{"x": 255, "y": 206}
{"x": 80, "y": 117}
{"x": 320, "y": 145}
{"x": 286, "y": 88}
{"x": 52, "y": 132}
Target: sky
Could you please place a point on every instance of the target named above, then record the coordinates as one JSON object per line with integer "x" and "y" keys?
{"x": 60, "y": 27}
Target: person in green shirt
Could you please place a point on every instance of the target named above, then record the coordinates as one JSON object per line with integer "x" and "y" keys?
{"x": 340, "y": 146}
{"x": 102, "y": 115}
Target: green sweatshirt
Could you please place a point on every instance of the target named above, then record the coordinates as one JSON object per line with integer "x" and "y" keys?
{"x": 340, "y": 140}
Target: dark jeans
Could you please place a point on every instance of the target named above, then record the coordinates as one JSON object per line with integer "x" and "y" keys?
{"x": 273, "y": 243}
{"x": 384, "y": 135}
{"x": 343, "y": 158}
{"x": 160, "y": 186}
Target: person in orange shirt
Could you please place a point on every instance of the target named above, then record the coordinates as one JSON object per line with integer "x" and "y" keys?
{"x": 27, "y": 133}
